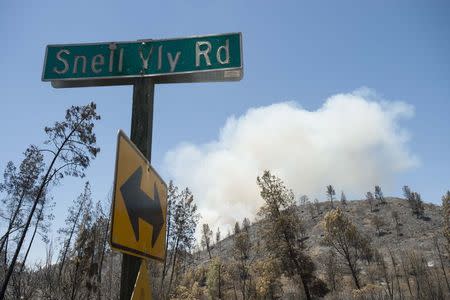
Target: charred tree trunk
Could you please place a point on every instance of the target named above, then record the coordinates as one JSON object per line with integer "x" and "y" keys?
{"x": 11, "y": 223}
{"x": 441, "y": 260}
{"x": 77, "y": 267}
{"x": 164, "y": 271}
{"x": 67, "y": 243}
{"x": 298, "y": 268}
{"x": 220, "y": 283}
{"x": 102, "y": 256}
{"x": 209, "y": 250}
{"x": 352, "y": 268}
{"x": 173, "y": 267}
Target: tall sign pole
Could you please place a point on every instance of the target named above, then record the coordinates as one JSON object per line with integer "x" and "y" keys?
{"x": 141, "y": 136}
{"x": 139, "y": 192}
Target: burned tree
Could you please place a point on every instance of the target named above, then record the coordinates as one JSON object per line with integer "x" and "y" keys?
{"x": 184, "y": 221}
{"x": 206, "y": 238}
{"x": 281, "y": 225}
{"x": 75, "y": 213}
{"x": 20, "y": 187}
{"x": 71, "y": 146}
{"x": 343, "y": 236}
{"x": 330, "y": 194}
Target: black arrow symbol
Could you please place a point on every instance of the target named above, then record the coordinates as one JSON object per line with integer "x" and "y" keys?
{"x": 139, "y": 205}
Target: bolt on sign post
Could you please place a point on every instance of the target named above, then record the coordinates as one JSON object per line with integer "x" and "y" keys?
{"x": 142, "y": 64}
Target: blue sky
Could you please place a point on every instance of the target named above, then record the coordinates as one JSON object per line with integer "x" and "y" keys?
{"x": 296, "y": 51}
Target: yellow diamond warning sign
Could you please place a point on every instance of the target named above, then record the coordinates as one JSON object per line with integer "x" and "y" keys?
{"x": 138, "y": 225}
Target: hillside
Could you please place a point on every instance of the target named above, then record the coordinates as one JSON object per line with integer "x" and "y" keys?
{"x": 408, "y": 265}
{"x": 414, "y": 234}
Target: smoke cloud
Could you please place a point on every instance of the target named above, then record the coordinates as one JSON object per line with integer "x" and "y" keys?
{"x": 353, "y": 142}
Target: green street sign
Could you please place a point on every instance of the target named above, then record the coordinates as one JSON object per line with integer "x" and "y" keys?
{"x": 192, "y": 59}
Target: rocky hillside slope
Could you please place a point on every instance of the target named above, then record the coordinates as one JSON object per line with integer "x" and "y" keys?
{"x": 411, "y": 233}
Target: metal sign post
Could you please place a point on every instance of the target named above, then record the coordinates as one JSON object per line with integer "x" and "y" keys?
{"x": 141, "y": 136}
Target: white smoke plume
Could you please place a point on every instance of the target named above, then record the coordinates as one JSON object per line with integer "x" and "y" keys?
{"x": 353, "y": 142}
